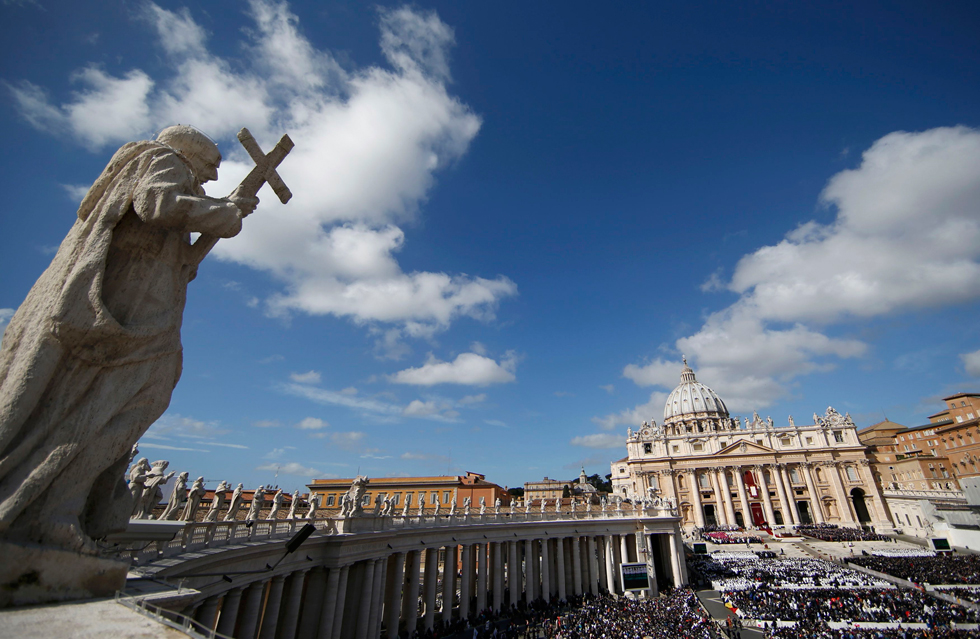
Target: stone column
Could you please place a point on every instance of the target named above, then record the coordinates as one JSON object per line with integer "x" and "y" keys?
{"x": 208, "y": 611}
{"x": 513, "y": 573}
{"x": 270, "y": 618}
{"x": 624, "y": 552}
{"x": 695, "y": 500}
{"x": 309, "y": 620}
{"x": 393, "y": 606}
{"x": 431, "y": 582}
{"x": 545, "y": 571}
{"x": 843, "y": 503}
{"x": 781, "y": 491}
{"x": 726, "y": 495}
{"x": 253, "y": 608}
{"x": 600, "y": 555}
{"x": 290, "y": 618}
{"x": 410, "y": 605}
{"x": 644, "y": 554}
{"x": 743, "y": 496}
{"x": 593, "y": 566}
{"x": 465, "y": 584}
{"x": 814, "y": 494}
{"x": 560, "y": 563}
{"x": 338, "y": 618}
{"x": 577, "y": 566}
{"x": 610, "y": 565}
{"x": 448, "y": 583}
{"x": 766, "y": 500}
{"x": 497, "y": 552}
{"x": 529, "y": 570}
{"x": 377, "y": 602}
{"x": 721, "y": 516}
{"x": 482, "y": 577}
{"x": 676, "y": 560}
{"x": 329, "y": 608}
{"x": 364, "y": 605}
{"x": 871, "y": 488}
{"x": 229, "y": 611}
{"x": 791, "y": 495}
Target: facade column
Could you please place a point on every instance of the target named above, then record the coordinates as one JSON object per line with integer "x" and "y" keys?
{"x": 814, "y": 495}
{"x": 364, "y": 605}
{"x": 529, "y": 570}
{"x": 207, "y": 612}
{"x": 726, "y": 495}
{"x": 577, "y": 566}
{"x": 513, "y": 573}
{"x": 696, "y": 501}
{"x": 377, "y": 602}
{"x": 393, "y": 606}
{"x": 781, "y": 492}
{"x": 290, "y": 619}
{"x": 410, "y": 604}
{"x": 600, "y": 556}
{"x": 593, "y": 566}
{"x": 843, "y": 503}
{"x": 560, "y": 567}
{"x": 545, "y": 571}
{"x": 743, "y": 496}
{"x": 448, "y": 584}
{"x": 329, "y": 607}
{"x": 338, "y": 617}
{"x": 431, "y": 581}
{"x": 871, "y": 488}
{"x": 270, "y": 618}
{"x": 465, "y": 583}
{"x": 247, "y": 624}
{"x": 676, "y": 560}
{"x": 624, "y": 549}
{"x": 481, "y": 577}
{"x": 309, "y": 621}
{"x": 610, "y": 568}
{"x": 229, "y": 611}
{"x": 766, "y": 500}
{"x": 794, "y": 514}
{"x": 721, "y": 516}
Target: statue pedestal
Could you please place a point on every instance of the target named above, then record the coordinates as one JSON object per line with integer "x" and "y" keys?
{"x": 32, "y": 574}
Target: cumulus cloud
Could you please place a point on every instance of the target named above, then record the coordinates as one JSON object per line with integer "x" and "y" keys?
{"x": 5, "y": 315}
{"x": 312, "y": 423}
{"x": 310, "y": 377}
{"x": 290, "y": 468}
{"x": 469, "y": 369}
{"x": 906, "y": 236}
{"x": 370, "y": 142}
{"x": 971, "y": 362}
{"x": 600, "y": 440}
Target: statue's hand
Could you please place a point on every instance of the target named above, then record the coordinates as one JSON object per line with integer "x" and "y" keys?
{"x": 246, "y": 203}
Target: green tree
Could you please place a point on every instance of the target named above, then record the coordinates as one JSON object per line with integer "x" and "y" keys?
{"x": 566, "y": 492}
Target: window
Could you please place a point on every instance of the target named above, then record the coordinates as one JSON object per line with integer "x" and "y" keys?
{"x": 447, "y": 496}
{"x": 397, "y": 499}
{"x": 675, "y": 448}
{"x": 434, "y": 497}
{"x": 759, "y": 442}
{"x": 853, "y": 475}
{"x": 918, "y": 435}
{"x": 838, "y": 437}
{"x": 794, "y": 476}
{"x": 809, "y": 441}
{"x": 408, "y": 498}
{"x": 698, "y": 447}
{"x": 959, "y": 418}
{"x": 330, "y": 499}
{"x": 367, "y": 500}
{"x": 622, "y": 471}
{"x": 969, "y": 415}
{"x": 786, "y": 441}
{"x": 703, "y": 480}
{"x": 647, "y": 448}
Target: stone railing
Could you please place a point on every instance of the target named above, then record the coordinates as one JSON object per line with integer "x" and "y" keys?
{"x": 954, "y": 495}
{"x": 196, "y": 536}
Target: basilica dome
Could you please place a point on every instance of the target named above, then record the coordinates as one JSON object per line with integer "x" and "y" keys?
{"x": 691, "y": 399}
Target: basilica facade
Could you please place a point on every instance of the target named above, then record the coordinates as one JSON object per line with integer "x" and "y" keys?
{"x": 722, "y": 470}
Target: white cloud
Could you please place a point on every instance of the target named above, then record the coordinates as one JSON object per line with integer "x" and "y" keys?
{"x": 906, "y": 236}
{"x": 370, "y": 142}
{"x": 600, "y": 440}
{"x": 174, "y": 425}
{"x": 267, "y": 423}
{"x": 609, "y": 388}
{"x": 312, "y": 423}
{"x": 971, "y": 362}
{"x": 151, "y": 445}
{"x": 310, "y": 377}
{"x": 432, "y": 409}
{"x": 290, "y": 468}
{"x": 350, "y": 390}
{"x": 5, "y": 315}
{"x": 468, "y": 368}
{"x": 346, "y": 440}
{"x": 495, "y": 422}
{"x": 329, "y": 397}
{"x": 409, "y": 456}
{"x": 652, "y": 409}
{"x": 473, "y": 399}
{"x": 76, "y": 192}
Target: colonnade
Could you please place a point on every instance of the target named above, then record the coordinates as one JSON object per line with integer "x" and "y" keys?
{"x": 719, "y": 483}
{"x": 429, "y": 581}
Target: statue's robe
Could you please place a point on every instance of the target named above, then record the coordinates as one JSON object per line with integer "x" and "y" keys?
{"x": 90, "y": 359}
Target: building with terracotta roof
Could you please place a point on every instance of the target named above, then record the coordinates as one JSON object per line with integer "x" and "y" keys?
{"x": 433, "y": 491}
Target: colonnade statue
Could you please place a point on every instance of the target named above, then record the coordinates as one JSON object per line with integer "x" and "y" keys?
{"x": 90, "y": 359}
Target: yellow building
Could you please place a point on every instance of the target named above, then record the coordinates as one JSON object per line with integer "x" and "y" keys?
{"x": 432, "y": 490}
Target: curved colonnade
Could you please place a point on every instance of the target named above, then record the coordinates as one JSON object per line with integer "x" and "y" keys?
{"x": 368, "y": 583}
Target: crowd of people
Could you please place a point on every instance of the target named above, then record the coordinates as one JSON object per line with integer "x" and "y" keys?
{"x": 745, "y": 570}
{"x": 832, "y": 532}
{"x": 720, "y": 537}
{"x": 837, "y": 604}
{"x": 968, "y": 594}
{"x": 820, "y": 630}
{"x": 941, "y": 569}
{"x": 677, "y": 614}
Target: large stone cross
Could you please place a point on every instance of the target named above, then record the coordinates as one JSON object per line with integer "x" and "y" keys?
{"x": 265, "y": 166}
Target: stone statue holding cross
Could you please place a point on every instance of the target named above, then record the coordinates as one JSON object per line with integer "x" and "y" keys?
{"x": 90, "y": 359}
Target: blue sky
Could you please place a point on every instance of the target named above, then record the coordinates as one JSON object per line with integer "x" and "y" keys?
{"x": 512, "y": 219}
